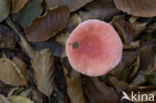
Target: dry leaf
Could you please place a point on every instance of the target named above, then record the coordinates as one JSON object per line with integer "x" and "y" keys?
{"x": 99, "y": 9}
{"x": 3, "y": 99}
{"x": 46, "y": 26}
{"x": 19, "y": 99}
{"x": 99, "y": 92}
{"x": 4, "y": 9}
{"x": 143, "y": 8}
{"x": 72, "y": 4}
{"x": 42, "y": 64}
{"x": 10, "y": 73}
{"x": 22, "y": 66}
{"x": 17, "y": 5}
{"x": 125, "y": 29}
{"x": 74, "y": 87}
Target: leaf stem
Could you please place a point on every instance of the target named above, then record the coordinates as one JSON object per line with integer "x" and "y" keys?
{"x": 22, "y": 42}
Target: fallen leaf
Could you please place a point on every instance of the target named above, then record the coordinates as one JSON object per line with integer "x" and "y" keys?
{"x": 17, "y": 5}
{"x": 10, "y": 73}
{"x": 143, "y": 8}
{"x": 42, "y": 64}
{"x": 22, "y": 66}
{"x": 99, "y": 9}
{"x": 3, "y": 99}
{"x": 72, "y": 4}
{"x": 4, "y": 9}
{"x": 99, "y": 92}
{"x": 31, "y": 10}
{"x": 74, "y": 86}
{"x": 19, "y": 99}
{"x": 125, "y": 29}
{"x": 46, "y": 26}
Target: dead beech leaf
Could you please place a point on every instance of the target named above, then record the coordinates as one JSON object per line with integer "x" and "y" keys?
{"x": 74, "y": 87}
{"x": 72, "y": 4}
{"x": 10, "y": 73}
{"x": 42, "y": 64}
{"x": 22, "y": 66}
{"x": 46, "y": 26}
{"x": 99, "y": 9}
{"x": 4, "y": 9}
{"x": 3, "y": 99}
{"x": 125, "y": 29}
{"x": 17, "y": 5}
{"x": 98, "y": 92}
{"x": 19, "y": 99}
{"x": 143, "y": 8}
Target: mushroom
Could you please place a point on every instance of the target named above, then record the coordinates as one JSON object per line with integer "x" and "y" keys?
{"x": 94, "y": 48}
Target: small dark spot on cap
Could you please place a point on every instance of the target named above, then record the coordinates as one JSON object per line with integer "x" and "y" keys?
{"x": 69, "y": 43}
{"x": 75, "y": 45}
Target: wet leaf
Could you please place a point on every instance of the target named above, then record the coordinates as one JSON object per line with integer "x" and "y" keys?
{"x": 10, "y": 73}
{"x": 99, "y": 9}
{"x": 42, "y": 64}
{"x": 3, "y": 99}
{"x": 72, "y": 4}
{"x": 7, "y": 38}
{"x": 143, "y": 8}
{"x": 46, "y": 26}
{"x": 17, "y": 5}
{"x": 74, "y": 87}
{"x": 4, "y": 9}
{"x": 31, "y": 10}
{"x": 98, "y": 92}
{"x": 19, "y": 99}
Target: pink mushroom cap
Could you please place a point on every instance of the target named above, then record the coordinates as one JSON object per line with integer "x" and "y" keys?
{"x": 94, "y": 48}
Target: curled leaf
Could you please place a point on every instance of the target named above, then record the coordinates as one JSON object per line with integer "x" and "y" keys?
{"x": 46, "y": 26}
{"x": 4, "y": 9}
{"x": 19, "y": 99}
{"x": 42, "y": 64}
{"x": 72, "y": 4}
{"x": 17, "y": 5}
{"x": 143, "y": 8}
{"x": 10, "y": 73}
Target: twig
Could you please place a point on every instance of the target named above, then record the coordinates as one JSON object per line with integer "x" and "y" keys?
{"x": 22, "y": 42}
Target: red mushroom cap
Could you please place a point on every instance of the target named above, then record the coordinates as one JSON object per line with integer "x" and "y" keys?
{"x": 94, "y": 48}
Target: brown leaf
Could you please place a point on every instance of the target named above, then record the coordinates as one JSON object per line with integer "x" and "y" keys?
{"x": 22, "y": 66}
{"x": 143, "y": 8}
{"x": 125, "y": 29}
{"x": 72, "y": 4}
{"x": 99, "y": 92}
{"x": 3, "y": 99}
{"x": 99, "y": 9}
{"x": 74, "y": 87}
{"x": 10, "y": 73}
{"x": 17, "y": 5}
{"x": 46, "y": 26}
{"x": 42, "y": 64}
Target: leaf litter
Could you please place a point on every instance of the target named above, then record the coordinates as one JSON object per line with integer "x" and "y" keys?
{"x": 32, "y": 51}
